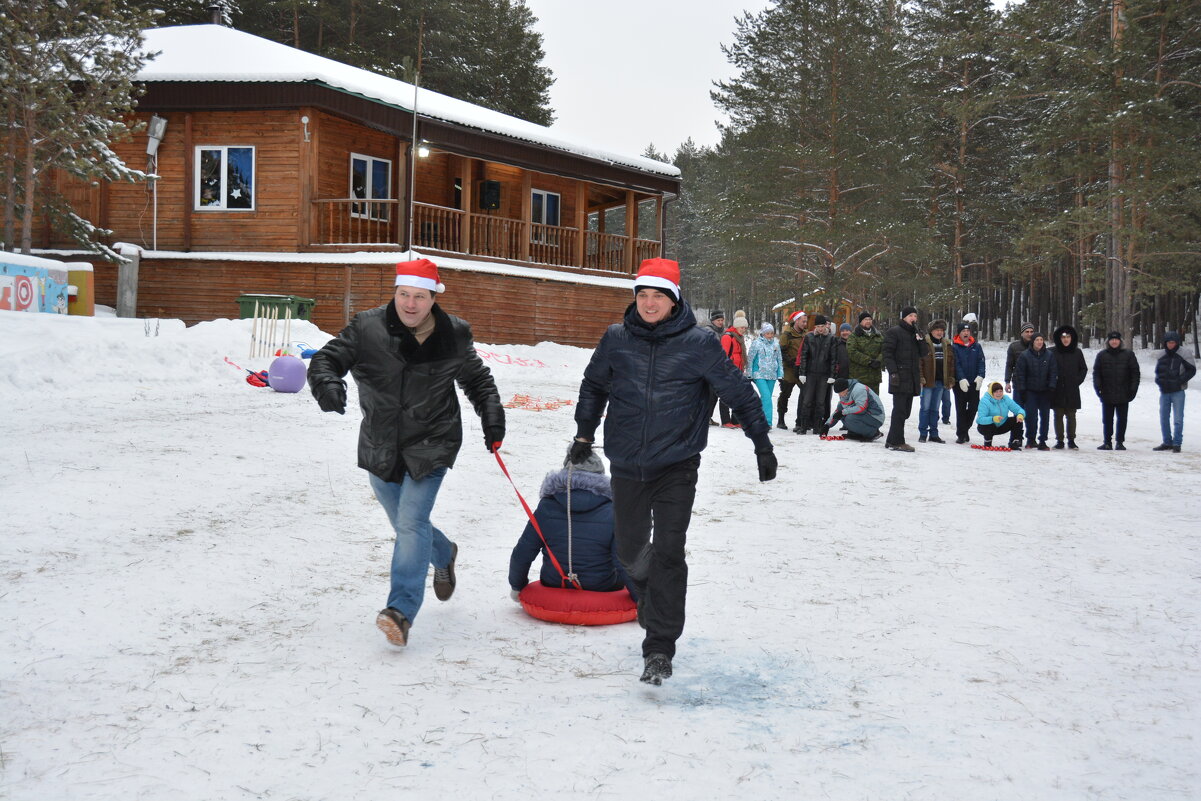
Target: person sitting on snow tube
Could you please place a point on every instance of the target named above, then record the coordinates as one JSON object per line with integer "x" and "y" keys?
{"x": 593, "y": 551}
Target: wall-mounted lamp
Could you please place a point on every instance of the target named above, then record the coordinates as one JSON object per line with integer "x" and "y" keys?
{"x": 305, "y": 122}
{"x": 156, "y": 129}
{"x": 423, "y": 149}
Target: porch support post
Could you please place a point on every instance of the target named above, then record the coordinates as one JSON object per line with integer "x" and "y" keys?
{"x": 581, "y": 222}
{"x": 304, "y": 214}
{"x": 527, "y": 214}
{"x": 631, "y": 231}
{"x": 189, "y": 166}
{"x": 466, "y": 171}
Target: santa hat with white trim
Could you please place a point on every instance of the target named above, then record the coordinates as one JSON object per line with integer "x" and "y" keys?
{"x": 660, "y": 274}
{"x": 422, "y": 274}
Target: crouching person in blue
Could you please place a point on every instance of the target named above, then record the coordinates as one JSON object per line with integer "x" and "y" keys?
{"x": 406, "y": 358}
{"x": 577, "y": 505}
{"x": 859, "y": 409}
{"x": 992, "y": 417}
{"x": 654, "y": 372}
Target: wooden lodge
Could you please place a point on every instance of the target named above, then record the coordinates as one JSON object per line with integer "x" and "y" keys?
{"x": 281, "y": 172}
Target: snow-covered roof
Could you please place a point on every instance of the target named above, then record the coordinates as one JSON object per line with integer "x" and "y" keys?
{"x": 218, "y": 53}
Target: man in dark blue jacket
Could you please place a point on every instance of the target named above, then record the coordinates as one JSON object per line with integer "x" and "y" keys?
{"x": 1173, "y": 371}
{"x": 654, "y": 373}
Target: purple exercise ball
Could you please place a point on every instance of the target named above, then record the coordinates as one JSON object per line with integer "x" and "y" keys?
{"x": 286, "y": 374}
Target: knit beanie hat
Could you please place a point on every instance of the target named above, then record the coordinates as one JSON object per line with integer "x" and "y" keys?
{"x": 845, "y": 327}
{"x": 908, "y": 310}
{"x": 767, "y": 328}
{"x": 841, "y": 384}
{"x": 717, "y": 314}
{"x": 660, "y": 274}
{"x": 1026, "y": 326}
{"x": 740, "y": 321}
{"x": 964, "y": 326}
{"x": 820, "y": 319}
{"x": 592, "y": 464}
{"x": 1114, "y": 335}
{"x": 865, "y": 316}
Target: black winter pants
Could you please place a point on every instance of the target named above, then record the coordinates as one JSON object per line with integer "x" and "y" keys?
{"x": 815, "y": 401}
{"x": 901, "y": 406}
{"x": 966, "y": 406}
{"x": 650, "y": 524}
{"x": 1108, "y": 411}
{"x": 782, "y": 401}
{"x": 1011, "y": 426}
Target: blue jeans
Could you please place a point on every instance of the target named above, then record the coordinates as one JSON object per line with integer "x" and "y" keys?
{"x": 1171, "y": 410}
{"x": 946, "y": 405}
{"x": 927, "y": 416}
{"x": 766, "y": 387}
{"x": 1038, "y": 414}
{"x": 418, "y": 543}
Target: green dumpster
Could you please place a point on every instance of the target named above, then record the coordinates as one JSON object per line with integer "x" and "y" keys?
{"x": 302, "y": 308}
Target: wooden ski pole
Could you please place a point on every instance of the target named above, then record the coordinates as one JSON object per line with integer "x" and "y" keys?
{"x": 254, "y": 327}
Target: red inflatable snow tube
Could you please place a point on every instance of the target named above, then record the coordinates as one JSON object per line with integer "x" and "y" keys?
{"x": 577, "y": 607}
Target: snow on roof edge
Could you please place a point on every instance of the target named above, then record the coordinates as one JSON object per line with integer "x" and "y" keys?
{"x": 185, "y": 55}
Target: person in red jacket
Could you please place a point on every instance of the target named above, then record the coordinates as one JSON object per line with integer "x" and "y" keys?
{"x": 733, "y": 342}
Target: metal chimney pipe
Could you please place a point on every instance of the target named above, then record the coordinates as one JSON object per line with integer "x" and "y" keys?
{"x": 215, "y": 14}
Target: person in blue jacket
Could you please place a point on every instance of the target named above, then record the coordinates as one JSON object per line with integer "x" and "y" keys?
{"x": 766, "y": 365}
{"x": 993, "y": 417}
{"x": 1034, "y": 380}
{"x": 583, "y": 491}
{"x": 650, "y": 377}
{"x": 969, "y": 377}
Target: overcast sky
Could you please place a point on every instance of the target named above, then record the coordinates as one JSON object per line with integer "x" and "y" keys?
{"x": 629, "y": 73}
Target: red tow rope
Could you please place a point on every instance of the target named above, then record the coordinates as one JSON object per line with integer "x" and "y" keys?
{"x": 534, "y": 523}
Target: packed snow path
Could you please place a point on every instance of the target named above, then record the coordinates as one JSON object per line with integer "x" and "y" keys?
{"x": 190, "y": 569}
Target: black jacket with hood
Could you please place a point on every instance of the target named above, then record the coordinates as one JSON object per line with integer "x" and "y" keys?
{"x": 1173, "y": 371}
{"x": 903, "y": 353}
{"x": 655, "y": 381}
{"x": 411, "y": 418}
{"x": 1072, "y": 369}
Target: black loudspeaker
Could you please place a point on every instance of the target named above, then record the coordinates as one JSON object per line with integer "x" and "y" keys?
{"x": 490, "y": 195}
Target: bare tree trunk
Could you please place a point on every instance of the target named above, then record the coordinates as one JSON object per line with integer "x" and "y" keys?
{"x": 10, "y": 180}
{"x": 30, "y": 183}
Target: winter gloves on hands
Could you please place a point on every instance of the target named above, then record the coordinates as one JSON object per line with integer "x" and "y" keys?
{"x": 830, "y": 380}
{"x": 979, "y": 382}
{"x": 493, "y": 436}
{"x": 332, "y": 397}
{"x": 963, "y": 385}
{"x": 580, "y": 451}
{"x": 801, "y": 378}
{"x": 874, "y": 364}
{"x": 767, "y": 464}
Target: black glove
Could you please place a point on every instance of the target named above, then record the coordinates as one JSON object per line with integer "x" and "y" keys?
{"x": 580, "y": 451}
{"x": 823, "y": 429}
{"x": 874, "y": 364}
{"x": 493, "y": 436}
{"x": 333, "y": 397}
{"x": 767, "y": 464}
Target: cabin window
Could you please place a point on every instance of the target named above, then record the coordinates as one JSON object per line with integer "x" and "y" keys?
{"x": 225, "y": 178}
{"x": 370, "y": 179}
{"x": 545, "y": 211}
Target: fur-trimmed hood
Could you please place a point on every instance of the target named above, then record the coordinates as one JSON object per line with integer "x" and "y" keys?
{"x": 555, "y": 484}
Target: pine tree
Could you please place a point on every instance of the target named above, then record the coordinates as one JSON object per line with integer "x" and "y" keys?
{"x": 66, "y": 84}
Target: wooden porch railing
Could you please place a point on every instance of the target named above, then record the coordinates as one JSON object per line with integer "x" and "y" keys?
{"x": 348, "y": 221}
{"x": 342, "y": 221}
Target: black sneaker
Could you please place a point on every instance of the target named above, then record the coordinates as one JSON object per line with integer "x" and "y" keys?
{"x": 444, "y": 577}
{"x": 1015, "y": 445}
{"x": 394, "y": 625}
{"x": 1042, "y": 446}
{"x": 938, "y": 439}
{"x": 1105, "y": 446}
{"x": 1072, "y": 445}
{"x": 1175, "y": 449}
{"x": 782, "y": 425}
{"x": 1119, "y": 446}
{"x": 961, "y": 439}
{"x": 903, "y": 447}
{"x": 1058, "y": 444}
{"x": 1164, "y": 447}
{"x": 922, "y": 438}
{"x": 656, "y": 669}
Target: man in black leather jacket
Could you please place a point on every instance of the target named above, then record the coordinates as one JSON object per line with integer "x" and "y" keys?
{"x": 406, "y": 358}
{"x": 654, "y": 373}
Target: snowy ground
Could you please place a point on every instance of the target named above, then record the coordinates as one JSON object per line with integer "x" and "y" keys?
{"x": 190, "y": 568}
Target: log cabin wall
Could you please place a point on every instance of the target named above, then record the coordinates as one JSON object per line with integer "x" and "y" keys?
{"x": 502, "y": 309}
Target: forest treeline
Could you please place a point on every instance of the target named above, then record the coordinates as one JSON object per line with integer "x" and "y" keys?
{"x": 1039, "y": 164}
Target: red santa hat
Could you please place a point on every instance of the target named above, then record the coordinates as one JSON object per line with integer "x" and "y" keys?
{"x": 796, "y": 315}
{"x": 422, "y": 274}
{"x": 660, "y": 274}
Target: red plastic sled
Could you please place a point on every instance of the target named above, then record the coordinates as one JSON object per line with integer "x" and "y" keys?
{"x": 577, "y": 607}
